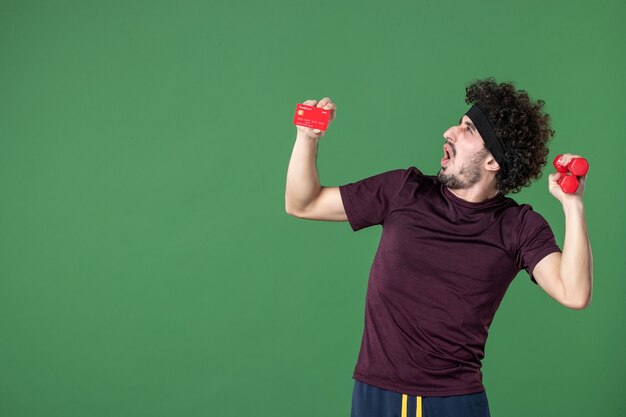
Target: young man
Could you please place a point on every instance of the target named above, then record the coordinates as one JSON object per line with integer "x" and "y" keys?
{"x": 451, "y": 244}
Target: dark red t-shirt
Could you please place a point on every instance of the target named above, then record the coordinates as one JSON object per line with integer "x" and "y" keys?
{"x": 440, "y": 272}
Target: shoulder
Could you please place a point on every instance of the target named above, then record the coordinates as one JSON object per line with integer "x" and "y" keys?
{"x": 382, "y": 186}
{"x": 398, "y": 178}
{"x": 520, "y": 221}
{"x": 521, "y": 216}
{"x": 530, "y": 227}
{"x": 413, "y": 176}
{"x": 528, "y": 217}
{"x": 521, "y": 213}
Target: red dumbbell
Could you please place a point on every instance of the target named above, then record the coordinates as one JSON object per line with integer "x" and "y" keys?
{"x": 577, "y": 167}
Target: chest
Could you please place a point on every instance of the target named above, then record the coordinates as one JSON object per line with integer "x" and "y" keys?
{"x": 432, "y": 251}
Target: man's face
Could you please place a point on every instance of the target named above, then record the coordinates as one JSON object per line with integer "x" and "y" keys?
{"x": 464, "y": 153}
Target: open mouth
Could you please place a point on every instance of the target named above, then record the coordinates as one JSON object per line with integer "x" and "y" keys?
{"x": 447, "y": 154}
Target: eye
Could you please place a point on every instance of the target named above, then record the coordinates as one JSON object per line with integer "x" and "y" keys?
{"x": 468, "y": 129}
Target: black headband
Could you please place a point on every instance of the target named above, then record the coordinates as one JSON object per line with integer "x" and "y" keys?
{"x": 493, "y": 143}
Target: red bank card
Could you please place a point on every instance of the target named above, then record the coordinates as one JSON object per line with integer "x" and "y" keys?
{"x": 310, "y": 116}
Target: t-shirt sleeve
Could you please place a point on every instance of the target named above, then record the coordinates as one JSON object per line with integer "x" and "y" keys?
{"x": 535, "y": 240}
{"x": 366, "y": 202}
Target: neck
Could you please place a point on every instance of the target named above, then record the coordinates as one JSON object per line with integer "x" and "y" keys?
{"x": 473, "y": 196}
{"x": 477, "y": 193}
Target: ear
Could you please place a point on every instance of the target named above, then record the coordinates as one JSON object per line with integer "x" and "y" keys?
{"x": 491, "y": 164}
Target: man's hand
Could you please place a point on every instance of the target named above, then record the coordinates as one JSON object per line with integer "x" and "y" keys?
{"x": 325, "y": 104}
{"x": 555, "y": 189}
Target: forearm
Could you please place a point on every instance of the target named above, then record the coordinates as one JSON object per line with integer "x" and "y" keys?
{"x": 576, "y": 261}
{"x": 303, "y": 184}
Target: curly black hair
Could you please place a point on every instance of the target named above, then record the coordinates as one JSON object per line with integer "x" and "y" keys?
{"x": 521, "y": 124}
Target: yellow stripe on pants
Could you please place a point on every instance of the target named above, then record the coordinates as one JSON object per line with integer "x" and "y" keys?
{"x": 404, "y": 401}
{"x": 418, "y": 408}
{"x": 418, "y": 413}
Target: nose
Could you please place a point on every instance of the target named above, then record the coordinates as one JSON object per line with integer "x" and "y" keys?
{"x": 450, "y": 134}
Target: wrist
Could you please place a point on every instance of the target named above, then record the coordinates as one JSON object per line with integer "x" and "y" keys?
{"x": 301, "y": 136}
{"x": 573, "y": 205}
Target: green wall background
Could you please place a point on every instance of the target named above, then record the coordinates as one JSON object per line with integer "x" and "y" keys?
{"x": 147, "y": 265}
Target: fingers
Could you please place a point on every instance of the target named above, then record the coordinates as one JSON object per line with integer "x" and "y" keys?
{"x": 329, "y": 105}
{"x": 323, "y": 102}
{"x": 566, "y": 158}
{"x": 554, "y": 187}
{"x": 326, "y": 104}
{"x": 554, "y": 178}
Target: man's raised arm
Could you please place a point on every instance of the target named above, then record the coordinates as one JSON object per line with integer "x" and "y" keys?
{"x": 568, "y": 277}
{"x": 304, "y": 196}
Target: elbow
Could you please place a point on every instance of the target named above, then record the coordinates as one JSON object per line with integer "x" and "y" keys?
{"x": 288, "y": 208}
{"x": 290, "y": 211}
{"x": 578, "y": 304}
{"x": 579, "y": 298}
